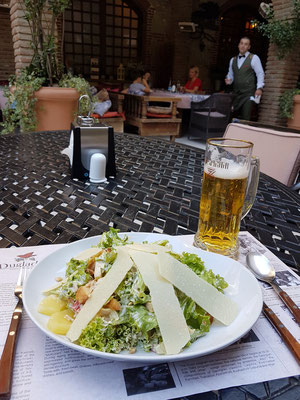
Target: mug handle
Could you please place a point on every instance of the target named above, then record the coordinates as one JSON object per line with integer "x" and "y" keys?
{"x": 252, "y": 184}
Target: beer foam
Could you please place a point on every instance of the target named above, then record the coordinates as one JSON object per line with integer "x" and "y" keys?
{"x": 226, "y": 170}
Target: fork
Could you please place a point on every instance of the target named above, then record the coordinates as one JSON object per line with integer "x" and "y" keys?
{"x": 8, "y": 355}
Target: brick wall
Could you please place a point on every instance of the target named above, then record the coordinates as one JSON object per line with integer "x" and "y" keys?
{"x": 181, "y": 11}
{"x": 21, "y": 36}
{"x": 7, "y": 64}
{"x": 280, "y": 74}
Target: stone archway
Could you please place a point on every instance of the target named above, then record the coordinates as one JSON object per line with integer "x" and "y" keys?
{"x": 235, "y": 22}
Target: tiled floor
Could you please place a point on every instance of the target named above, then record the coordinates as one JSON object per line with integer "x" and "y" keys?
{"x": 189, "y": 142}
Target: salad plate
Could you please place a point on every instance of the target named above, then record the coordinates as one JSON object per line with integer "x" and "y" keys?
{"x": 243, "y": 289}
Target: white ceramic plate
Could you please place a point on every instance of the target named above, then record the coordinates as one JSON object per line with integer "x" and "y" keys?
{"x": 242, "y": 288}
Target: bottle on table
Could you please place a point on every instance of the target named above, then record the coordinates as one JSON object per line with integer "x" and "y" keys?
{"x": 170, "y": 85}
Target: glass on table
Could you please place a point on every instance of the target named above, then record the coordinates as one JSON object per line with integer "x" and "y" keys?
{"x": 229, "y": 186}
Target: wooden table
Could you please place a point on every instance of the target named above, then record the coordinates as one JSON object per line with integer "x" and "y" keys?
{"x": 150, "y": 124}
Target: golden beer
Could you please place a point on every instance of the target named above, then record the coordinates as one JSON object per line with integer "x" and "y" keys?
{"x": 221, "y": 205}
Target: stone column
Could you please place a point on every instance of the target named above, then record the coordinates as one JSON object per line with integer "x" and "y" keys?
{"x": 21, "y": 36}
{"x": 280, "y": 74}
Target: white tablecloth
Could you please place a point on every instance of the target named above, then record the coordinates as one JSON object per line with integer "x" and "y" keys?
{"x": 186, "y": 98}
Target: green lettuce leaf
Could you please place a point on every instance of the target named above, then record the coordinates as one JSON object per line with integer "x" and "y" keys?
{"x": 111, "y": 239}
{"x": 107, "y": 337}
{"x": 76, "y": 276}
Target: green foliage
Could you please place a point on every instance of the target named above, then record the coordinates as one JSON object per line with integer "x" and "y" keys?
{"x": 20, "y": 107}
{"x": 82, "y": 86}
{"x": 286, "y": 102}
{"x": 283, "y": 33}
{"x": 44, "y": 69}
{"x": 42, "y": 16}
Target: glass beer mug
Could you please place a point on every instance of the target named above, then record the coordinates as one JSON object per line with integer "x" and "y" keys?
{"x": 230, "y": 180}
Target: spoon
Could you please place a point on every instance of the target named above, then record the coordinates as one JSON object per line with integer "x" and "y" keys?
{"x": 264, "y": 271}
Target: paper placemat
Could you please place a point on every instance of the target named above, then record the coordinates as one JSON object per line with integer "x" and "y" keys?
{"x": 44, "y": 367}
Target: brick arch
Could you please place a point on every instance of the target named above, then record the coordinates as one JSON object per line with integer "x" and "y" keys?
{"x": 232, "y": 3}
{"x": 228, "y": 37}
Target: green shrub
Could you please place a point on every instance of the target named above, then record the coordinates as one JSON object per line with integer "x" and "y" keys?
{"x": 286, "y": 101}
{"x": 284, "y": 34}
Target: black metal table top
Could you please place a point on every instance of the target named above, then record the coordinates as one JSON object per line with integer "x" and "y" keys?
{"x": 157, "y": 189}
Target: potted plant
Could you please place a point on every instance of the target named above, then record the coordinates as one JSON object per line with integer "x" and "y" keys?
{"x": 289, "y": 103}
{"x": 42, "y": 97}
{"x": 284, "y": 34}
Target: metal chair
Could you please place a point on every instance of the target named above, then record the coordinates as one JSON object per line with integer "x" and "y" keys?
{"x": 210, "y": 117}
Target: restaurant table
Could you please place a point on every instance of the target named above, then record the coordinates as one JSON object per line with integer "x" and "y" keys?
{"x": 157, "y": 189}
{"x": 186, "y": 98}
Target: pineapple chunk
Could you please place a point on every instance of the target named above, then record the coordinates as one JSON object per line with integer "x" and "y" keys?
{"x": 60, "y": 322}
{"x": 51, "y": 304}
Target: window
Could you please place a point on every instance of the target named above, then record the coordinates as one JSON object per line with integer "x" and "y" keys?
{"x": 109, "y": 31}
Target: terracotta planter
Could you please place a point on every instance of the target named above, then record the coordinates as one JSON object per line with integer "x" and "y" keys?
{"x": 55, "y": 108}
{"x": 294, "y": 122}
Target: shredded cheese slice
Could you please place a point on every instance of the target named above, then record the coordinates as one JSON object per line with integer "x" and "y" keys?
{"x": 105, "y": 287}
{"x": 204, "y": 294}
{"x": 88, "y": 253}
{"x": 147, "y": 247}
{"x": 170, "y": 318}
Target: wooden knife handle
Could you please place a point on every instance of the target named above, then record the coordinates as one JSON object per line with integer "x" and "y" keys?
{"x": 8, "y": 355}
{"x": 294, "y": 309}
{"x": 287, "y": 337}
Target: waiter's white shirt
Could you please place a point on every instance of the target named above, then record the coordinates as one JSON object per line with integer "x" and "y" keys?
{"x": 255, "y": 64}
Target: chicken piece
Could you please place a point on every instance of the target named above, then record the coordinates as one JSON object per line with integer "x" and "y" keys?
{"x": 83, "y": 294}
{"x": 149, "y": 306}
{"x": 91, "y": 263}
{"x": 90, "y": 266}
{"x": 108, "y": 314}
{"x": 113, "y": 304}
{"x": 105, "y": 312}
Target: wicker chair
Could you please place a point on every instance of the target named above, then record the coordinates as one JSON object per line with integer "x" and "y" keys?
{"x": 210, "y": 117}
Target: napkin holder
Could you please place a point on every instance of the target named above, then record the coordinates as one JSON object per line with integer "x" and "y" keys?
{"x": 89, "y": 142}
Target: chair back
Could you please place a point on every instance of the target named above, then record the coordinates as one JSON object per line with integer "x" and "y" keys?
{"x": 210, "y": 117}
{"x": 279, "y": 151}
{"x": 222, "y": 102}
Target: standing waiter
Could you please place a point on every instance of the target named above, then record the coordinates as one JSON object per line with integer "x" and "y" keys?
{"x": 247, "y": 75}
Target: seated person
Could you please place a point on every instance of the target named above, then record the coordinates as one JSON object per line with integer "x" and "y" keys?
{"x": 137, "y": 86}
{"x": 103, "y": 104}
{"x": 194, "y": 84}
{"x": 146, "y": 78}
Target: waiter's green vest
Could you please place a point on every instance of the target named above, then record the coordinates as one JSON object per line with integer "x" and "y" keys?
{"x": 244, "y": 83}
